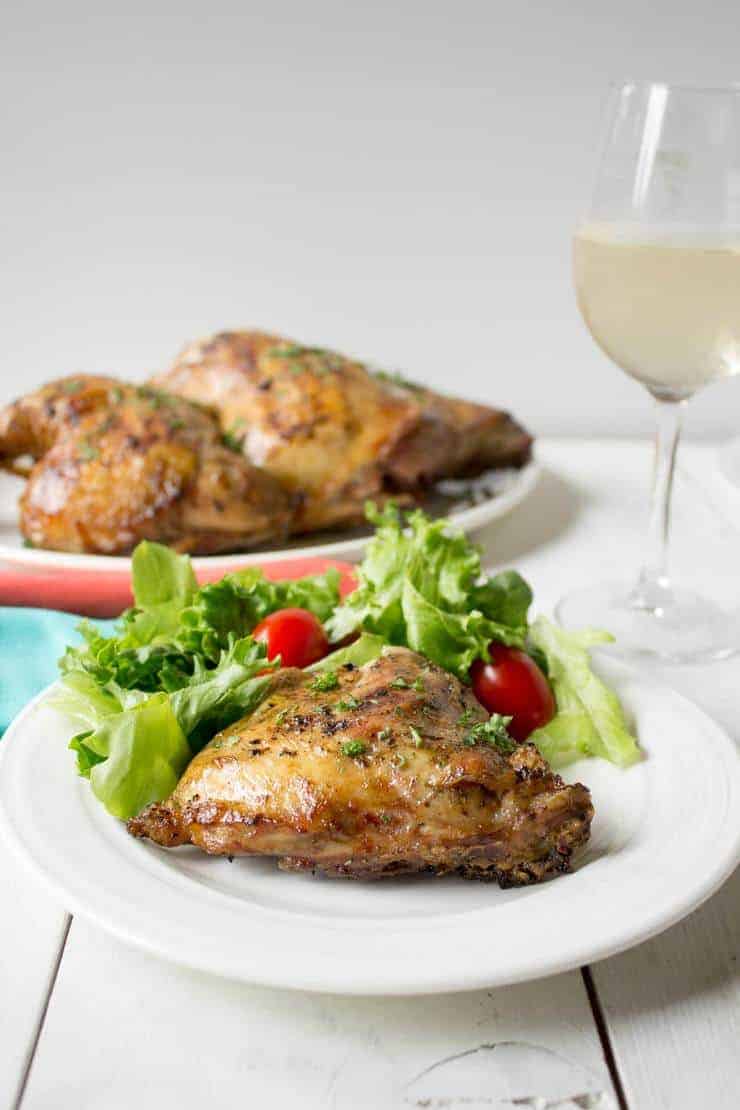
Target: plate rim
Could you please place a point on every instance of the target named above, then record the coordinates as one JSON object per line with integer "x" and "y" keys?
{"x": 470, "y": 519}
{"x": 688, "y": 900}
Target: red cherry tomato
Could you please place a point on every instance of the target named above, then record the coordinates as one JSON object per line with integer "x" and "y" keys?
{"x": 296, "y": 635}
{"x": 512, "y": 684}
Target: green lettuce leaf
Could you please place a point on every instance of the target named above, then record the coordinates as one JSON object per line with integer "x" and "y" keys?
{"x": 180, "y": 666}
{"x": 505, "y": 598}
{"x": 145, "y": 746}
{"x": 134, "y": 757}
{"x": 366, "y": 648}
{"x": 240, "y": 601}
{"x": 590, "y": 720}
{"x": 420, "y": 586}
{"x": 80, "y": 697}
{"x": 216, "y": 697}
{"x": 453, "y": 640}
{"x": 161, "y": 577}
{"x": 163, "y": 585}
{"x": 174, "y": 623}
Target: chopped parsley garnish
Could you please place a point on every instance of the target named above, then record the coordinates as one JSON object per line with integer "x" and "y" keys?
{"x": 116, "y": 395}
{"x": 176, "y": 423}
{"x": 232, "y": 442}
{"x": 353, "y": 748}
{"x": 232, "y": 438}
{"x": 493, "y": 731}
{"x": 348, "y": 703}
{"x": 325, "y": 681}
{"x": 72, "y": 386}
{"x": 288, "y": 350}
{"x": 397, "y": 379}
{"x": 87, "y": 451}
{"x": 402, "y": 683}
{"x": 280, "y": 719}
{"x": 156, "y": 398}
{"x": 465, "y": 717}
{"x": 416, "y": 737}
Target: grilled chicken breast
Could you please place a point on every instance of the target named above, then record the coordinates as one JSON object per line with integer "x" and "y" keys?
{"x": 331, "y": 431}
{"x": 117, "y": 463}
{"x": 377, "y": 776}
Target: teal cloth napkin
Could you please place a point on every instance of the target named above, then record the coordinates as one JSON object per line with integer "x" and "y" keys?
{"x": 31, "y": 641}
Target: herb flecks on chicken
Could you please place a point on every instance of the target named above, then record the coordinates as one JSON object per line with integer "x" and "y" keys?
{"x": 117, "y": 463}
{"x": 389, "y": 771}
{"x": 264, "y": 438}
{"x": 334, "y": 432}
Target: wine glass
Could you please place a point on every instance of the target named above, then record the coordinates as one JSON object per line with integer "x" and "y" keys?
{"x": 657, "y": 275}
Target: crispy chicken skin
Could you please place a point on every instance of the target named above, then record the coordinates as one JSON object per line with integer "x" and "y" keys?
{"x": 372, "y": 779}
{"x": 117, "y": 463}
{"x": 454, "y": 438}
{"x": 333, "y": 432}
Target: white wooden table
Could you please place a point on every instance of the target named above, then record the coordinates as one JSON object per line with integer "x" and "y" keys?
{"x": 88, "y": 1023}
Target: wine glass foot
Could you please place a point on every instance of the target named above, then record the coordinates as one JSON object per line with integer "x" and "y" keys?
{"x": 675, "y": 625}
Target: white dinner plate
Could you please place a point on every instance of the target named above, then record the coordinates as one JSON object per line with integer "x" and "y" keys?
{"x": 665, "y": 836}
{"x": 471, "y": 505}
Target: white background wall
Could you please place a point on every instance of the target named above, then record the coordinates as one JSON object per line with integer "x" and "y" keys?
{"x": 396, "y": 180}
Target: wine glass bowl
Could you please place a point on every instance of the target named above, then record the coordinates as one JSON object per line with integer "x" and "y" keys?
{"x": 656, "y": 265}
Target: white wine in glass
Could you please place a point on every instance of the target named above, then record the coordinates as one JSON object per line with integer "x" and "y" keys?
{"x": 657, "y": 274}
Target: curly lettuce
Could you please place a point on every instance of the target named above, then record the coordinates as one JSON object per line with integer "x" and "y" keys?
{"x": 420, "y": 586}
{"x": 135, "y": 744}
{"x": 180, "y": 666}
{"x": 181, "y": 663}
{"x": 589, "y": 720}
{"x": 174, "y": 623}
{"x": 134, "y": 757}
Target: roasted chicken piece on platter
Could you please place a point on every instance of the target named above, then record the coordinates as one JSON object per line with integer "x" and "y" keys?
{"x": 386, "y": 769}
{"x": 117, "y": 463}
{"x": 333, "y": 432}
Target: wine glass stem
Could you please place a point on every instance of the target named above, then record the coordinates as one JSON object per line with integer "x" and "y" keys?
{"x": 652, "y": 589}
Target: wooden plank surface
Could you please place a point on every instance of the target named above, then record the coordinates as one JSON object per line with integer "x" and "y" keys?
{"x": 124, "y": 1029}
{"x": 672, "y": 1007}
{"x": 32, "y": 930}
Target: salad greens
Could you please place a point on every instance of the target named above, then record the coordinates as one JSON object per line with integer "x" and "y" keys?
{"x": 127, "y": 770}
{"x": 589, "y": 720}
{"x": 421, "y": 588}
{"x": 180, "y": 667}
{"x": 181, "y": 664}
{"x": 359, "y": 652}
{"x": 420, "y": 585}
{"x": 173, "y": 622}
